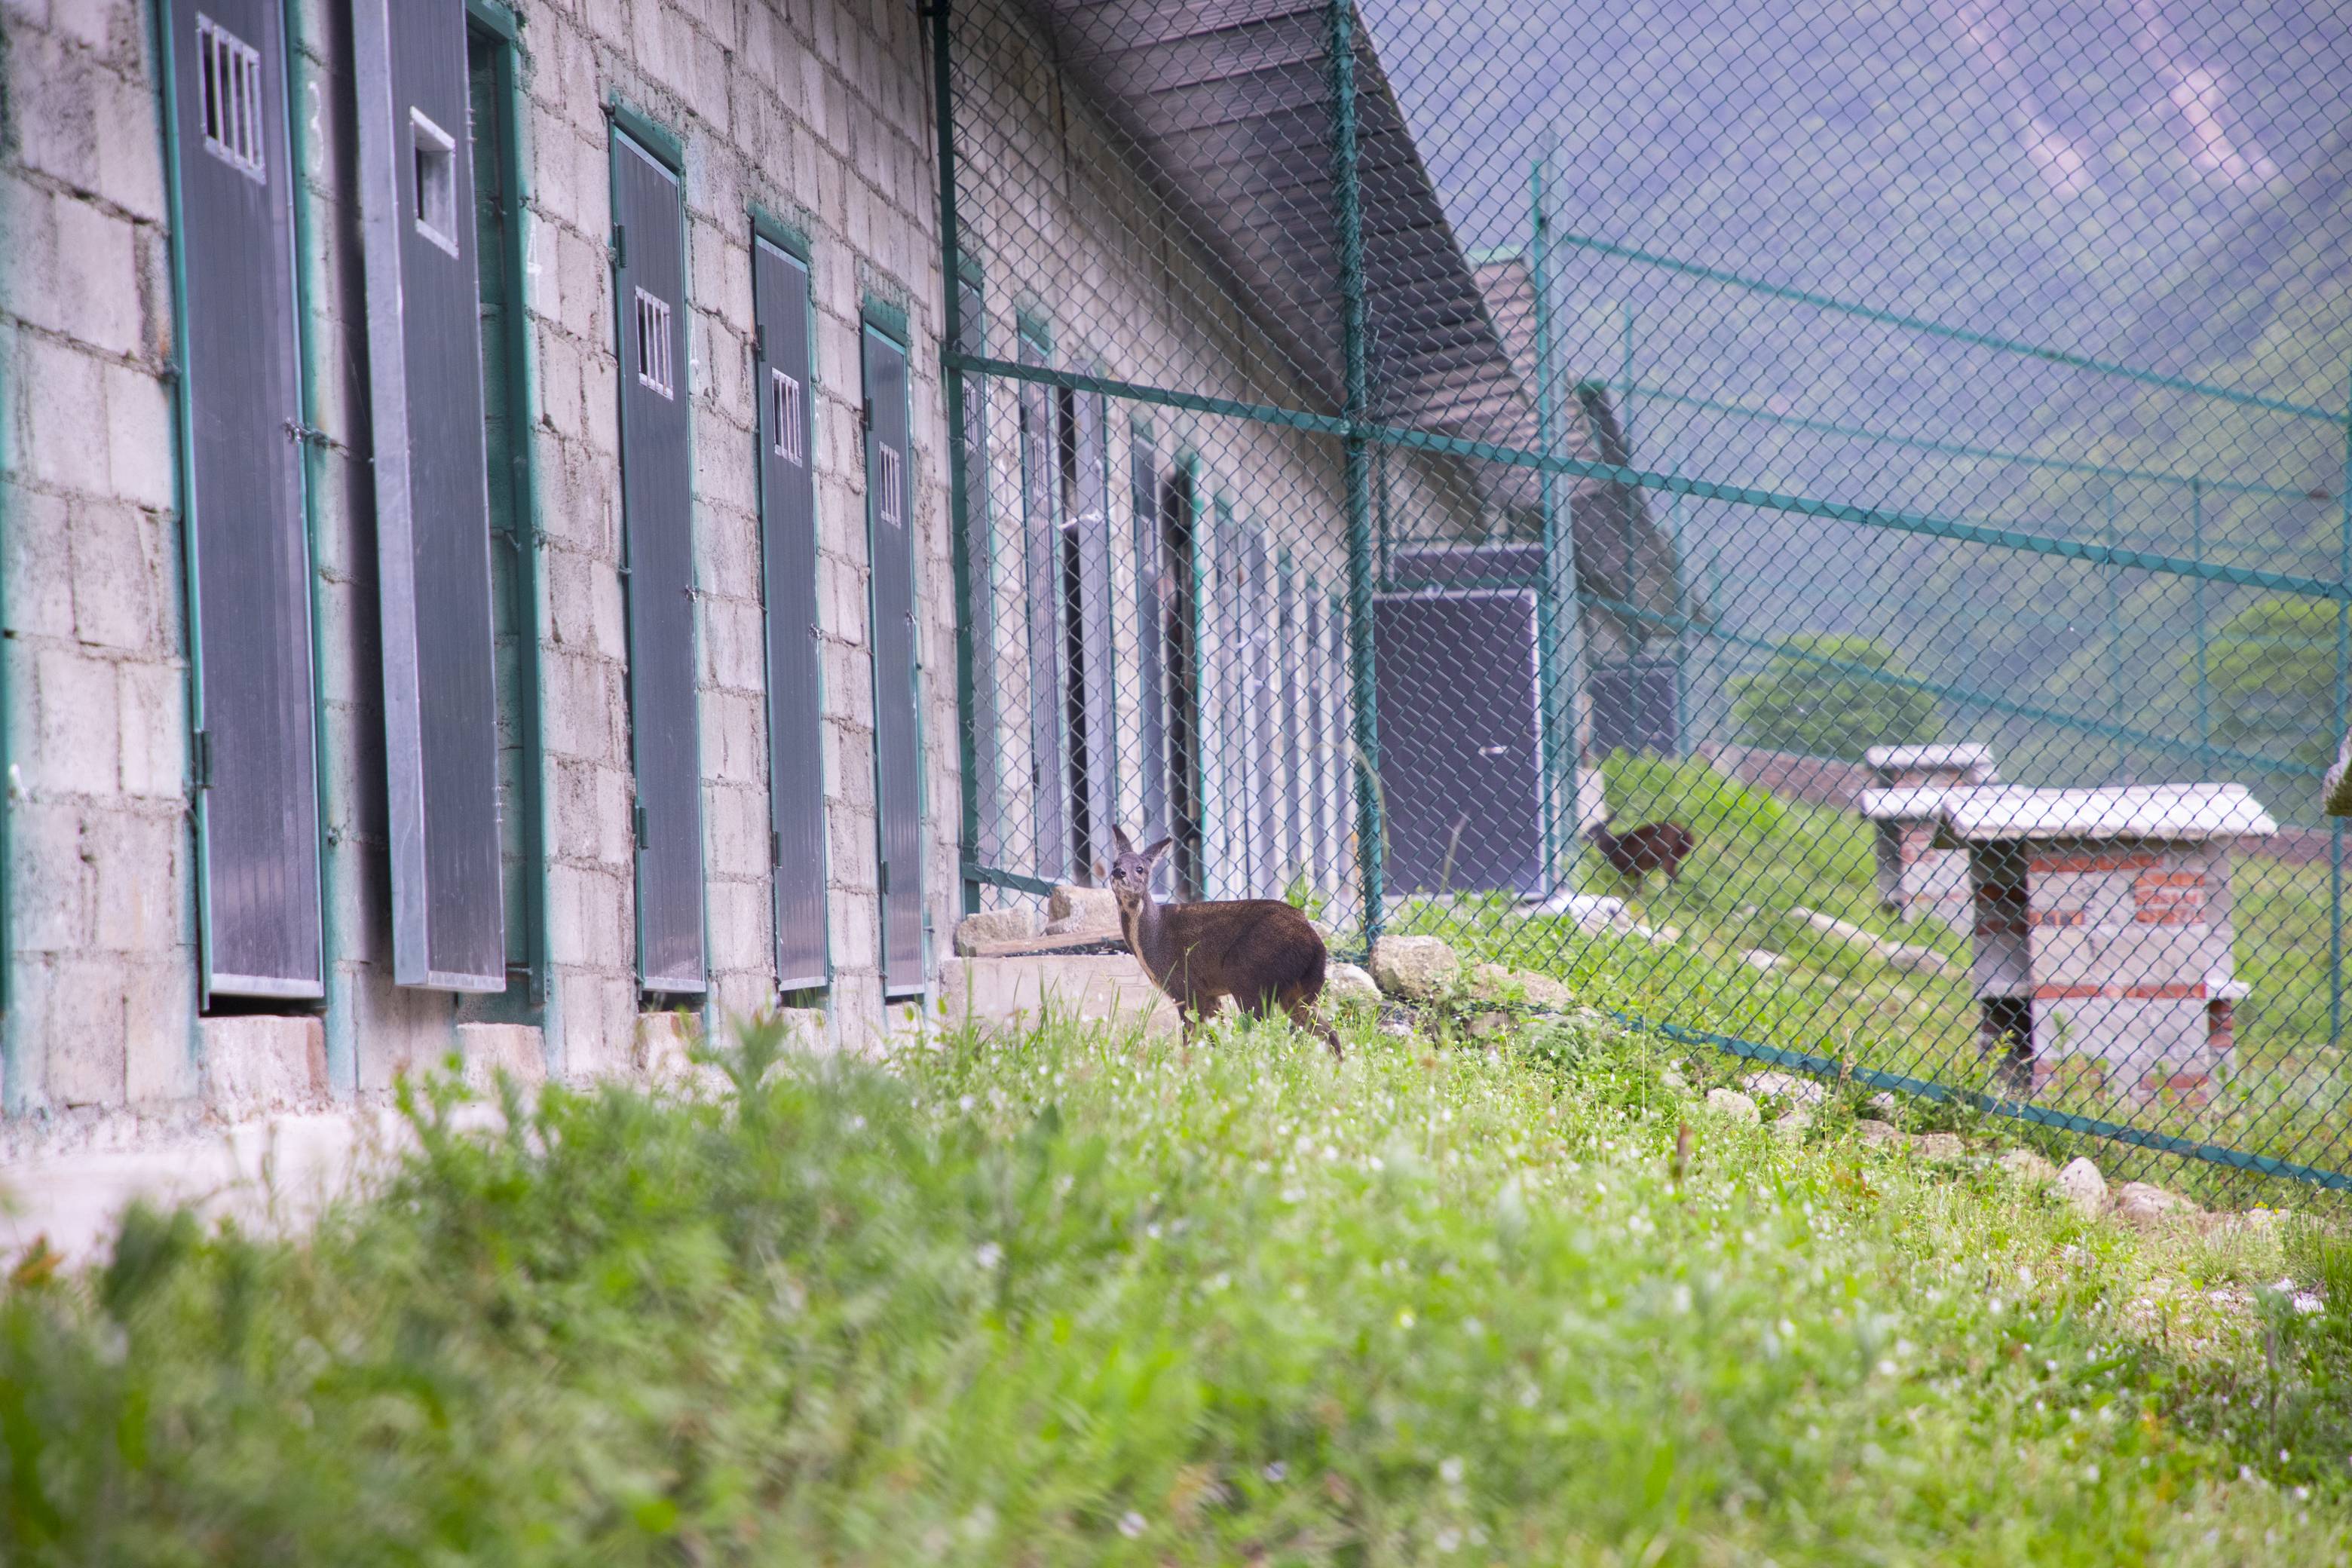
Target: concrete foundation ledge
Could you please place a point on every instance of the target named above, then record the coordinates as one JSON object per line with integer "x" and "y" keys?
{"x": 1017, "y": 993}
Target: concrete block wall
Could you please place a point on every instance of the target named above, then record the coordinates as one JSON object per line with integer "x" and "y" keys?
{"x": 100, "y": 994}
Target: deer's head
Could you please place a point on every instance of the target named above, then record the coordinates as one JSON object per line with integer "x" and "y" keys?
{"x": 1129, "y": 874}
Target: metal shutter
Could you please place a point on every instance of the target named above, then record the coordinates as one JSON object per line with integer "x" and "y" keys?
{"x": 432, "y": 497}
{"x": 255, "y": 750}
{"x": 1155, "y": 596}
{"x": 1095, "y": 747}
{"x": 1291, "y": 736}
{"x": 780, "y": 304}
{"x": 1460, "y": 716}
{"x": 979, "y": 527}
{"x": 1260, "y": 706}
{"x": 1321, "y": 773}
{"x": 1041, "y": 570}
{"x": 898, "y": 757}
{"x": 657, "y": 517}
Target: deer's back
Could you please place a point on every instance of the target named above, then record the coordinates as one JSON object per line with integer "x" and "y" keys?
{"x": 1242, "y": 945}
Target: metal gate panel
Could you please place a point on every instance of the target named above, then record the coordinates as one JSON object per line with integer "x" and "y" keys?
{"x": 1633, "y": 707}
{"x": 1226, "y": 871}
{"x": 1042, "y": 594}
{"x": 658, "y": 522}
{"x": 979, "y": 525}
{"x": 1294, "y": 744}
{"x": 1155, "y": 593}
{"x": 1096, "y": 785}
{"x": 254, "y": 744}
{"x": 780, "y": 303}
{"x": 1260, "y": 705}
{"x": 1459, "y": 723}
{"x": 432, "y": 496}
{"x": 897, "y": 754}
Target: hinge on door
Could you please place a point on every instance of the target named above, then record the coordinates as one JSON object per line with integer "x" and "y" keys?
{"x": 760, "y": 342}
{"x": 641, "y": 826}
{"x": 200, "y": 759}
{"x": 620, "y": 246}
{"x": 884, "y": 879}
{"x": 775, "y": 848}
{"x": 308, "y": 435}
{"x": 866, "y": 415}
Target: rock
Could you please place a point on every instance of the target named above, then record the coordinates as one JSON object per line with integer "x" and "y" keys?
{"x": 1940, "y": 1146}
{"x": 1671, "y": 1075}
{"x": 1871, "y": 1132}
{"x": 1757, "y": 958}
{"x": 1886, "y": 1104}
{"x": 1788, "y": 1086}
{"x": 992, "y": 925}
{"x": 2081, "y": 1184}
{"x": 1732, "y": 1103}
{"x": 1791, "y": 1126}
{"x": 1348, "y": 986}
{"x": 1417, "y": 968}
{"x": 1093, "y": 908}
{"x": 2028, "y": 1166}
{"x": 1497, "y": 986}
{"x": 1082, "y": 925}
{"x": 2146, "y": 1206}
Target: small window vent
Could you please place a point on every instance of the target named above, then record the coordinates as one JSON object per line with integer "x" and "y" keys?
{"x": 792, "y": 423}
{"x": 434, "y": 153}
{"x": 229, "y": 88}
{"x": 652, "y": 344}
{"x": 893, "y": 489}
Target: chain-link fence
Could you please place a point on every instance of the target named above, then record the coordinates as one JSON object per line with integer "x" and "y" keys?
{"x": 1828, "y": 529}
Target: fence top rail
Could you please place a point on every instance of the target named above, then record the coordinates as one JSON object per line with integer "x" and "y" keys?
{"x": 1958, "y": 334}
{"x": 1997, "y": 454}
{"x": 1925, "y": 523}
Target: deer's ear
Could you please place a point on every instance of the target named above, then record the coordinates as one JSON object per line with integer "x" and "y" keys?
{"x": 1157, "y": 850}
{"x": 1120, "y": 841}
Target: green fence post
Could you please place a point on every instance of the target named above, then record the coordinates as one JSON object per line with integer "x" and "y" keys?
{"x": 1347, "y": 197}
{"x": 959, "y": 507}
{"x": 2204, "y": 686}
{"x": 2343, "y": 682}
{"x": 2115, "y": 648}
{"x": 1555, "y": 606}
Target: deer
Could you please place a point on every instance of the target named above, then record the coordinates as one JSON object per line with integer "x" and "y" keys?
{"x": 1652, "y": 847}
{"x": 1261, "y": 952}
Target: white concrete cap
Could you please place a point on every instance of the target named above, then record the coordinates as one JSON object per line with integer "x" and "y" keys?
{"x": 2175, "y": 811}
{"x": 1976, "y": 759}
{"x": 1908, "y": 803}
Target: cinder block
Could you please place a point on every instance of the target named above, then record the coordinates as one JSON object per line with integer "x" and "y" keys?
{"x": 74, "y": 717}
{"x": 98, "y": 258}
{"x": 36, "y": 533}
{"x": 139, "y": 438}
{"x": 518, "y": 1051}
{"x": 114, "y": 576}
{"x": 255, "y": 1064}
{"x": 65, "y": 425}
{"x": 154, "y": 728}
{"x": 140, "y": 892}
{"x": 158, "y": 1008}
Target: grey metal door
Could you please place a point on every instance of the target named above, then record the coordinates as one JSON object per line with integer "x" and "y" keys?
{"x": 979, "y": 527}
{"x": 1094, "y": 744}
{"x": 780, "y": 302}
{"x": 255, "y": 744}
{"x": 897, "y": 752}
{"x": 1041, "y": 599}
{"x": 1155, "y": 591}
{"x": 432, "y": 497}
{"x": 1260, "y": 705}
{"x": 657, "y": 507}
{"x": 1459, "y": 719}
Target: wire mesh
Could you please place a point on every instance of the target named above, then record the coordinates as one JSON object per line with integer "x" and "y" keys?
{"x": 1827, "y": 530}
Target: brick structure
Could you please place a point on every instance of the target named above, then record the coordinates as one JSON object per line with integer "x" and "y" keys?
{"x": 1915, "y": 879}
{"x": 2103, "y": 930}
{"x": 815, "y": 118}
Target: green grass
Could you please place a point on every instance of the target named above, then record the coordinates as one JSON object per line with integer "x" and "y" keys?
{"x": 1075, "y": 1298}
{"x": 1759, "y": 856}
